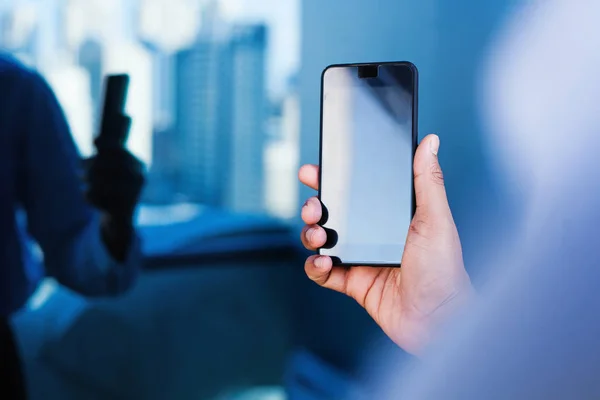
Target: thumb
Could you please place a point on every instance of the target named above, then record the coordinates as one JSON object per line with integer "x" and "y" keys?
{"x": 430, "y": 192}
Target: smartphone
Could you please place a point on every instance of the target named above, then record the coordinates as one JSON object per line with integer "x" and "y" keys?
{"x": 367, "y": 144}
{"x": 114, "y": 125}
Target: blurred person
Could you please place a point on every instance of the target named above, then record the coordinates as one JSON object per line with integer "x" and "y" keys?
{"x": 88, "y": 245}
{"x": 11, "y": 375}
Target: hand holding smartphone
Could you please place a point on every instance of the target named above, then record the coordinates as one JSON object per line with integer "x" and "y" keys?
{"x": 371, "y": 180}
{"x": 367, "y": 144}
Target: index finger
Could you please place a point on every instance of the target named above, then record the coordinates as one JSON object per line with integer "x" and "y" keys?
{"x": 309, "y": 175}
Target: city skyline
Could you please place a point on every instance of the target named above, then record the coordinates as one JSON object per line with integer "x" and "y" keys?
{"x": 210, "y": 142}
{"x": 170, "y": 24}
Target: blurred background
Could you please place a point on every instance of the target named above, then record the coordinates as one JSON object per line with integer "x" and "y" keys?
{"x": 224, "y": 98}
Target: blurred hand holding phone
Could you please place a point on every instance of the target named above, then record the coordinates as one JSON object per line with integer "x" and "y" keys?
{"x": 114, "y": 177}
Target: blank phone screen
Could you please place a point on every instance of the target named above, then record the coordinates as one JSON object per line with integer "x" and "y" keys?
{"x": 367, "y": 149}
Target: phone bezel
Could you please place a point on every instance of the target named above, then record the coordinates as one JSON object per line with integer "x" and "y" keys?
{"x": 415, "y": 120}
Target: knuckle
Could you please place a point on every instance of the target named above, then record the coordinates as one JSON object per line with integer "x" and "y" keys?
{"x": 305, "y": 212}
{"x": 437, "y": 175}
{"x": 311, "y": 211}
{"x": 319, "y": 278}
{"x": 425, "y": 227}
{"x": 419, "y": 226}
{"x": 303, "y": 235}
{"x": 418, "y": 174}
{"x": 304, "y": 232}
{"x": 308, "y": 236}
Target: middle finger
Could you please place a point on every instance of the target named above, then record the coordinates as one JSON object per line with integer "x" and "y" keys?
{"x": 313, "y": 237}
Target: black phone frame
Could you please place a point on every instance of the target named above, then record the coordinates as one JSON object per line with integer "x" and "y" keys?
{"x": 415, "y": 133}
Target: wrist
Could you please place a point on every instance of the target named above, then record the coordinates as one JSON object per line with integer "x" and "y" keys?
{"x": 421, "y": 331}
{"x": 123, "y": 223}
{"x": 117, "y": 234}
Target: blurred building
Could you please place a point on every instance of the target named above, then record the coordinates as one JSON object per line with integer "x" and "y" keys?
{"x": 248, "y": 118}
{"x": 89, "y": 57}
{"x": 220, "y": 118}
{"x": 71, "y": 85}
{"x": 161, "y": 185}
{"x": 200, "y": 89}
{"x": 18, "y": 25}
{"x": 163, "y": 83}
{"x": 282, "y": 156}
{"x": 202, "y": 116}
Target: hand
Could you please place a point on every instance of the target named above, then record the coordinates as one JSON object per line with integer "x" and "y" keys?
{"x": 410, "y": 302}
{"x": 115, "y": 179}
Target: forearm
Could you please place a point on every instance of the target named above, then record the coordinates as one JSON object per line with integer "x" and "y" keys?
{"x": 84, "y": 264}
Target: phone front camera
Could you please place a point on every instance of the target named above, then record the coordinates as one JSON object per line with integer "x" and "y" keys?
{"x": 368, "y": 71}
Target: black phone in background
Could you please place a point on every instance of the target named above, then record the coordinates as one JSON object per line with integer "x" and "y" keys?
{"x": 114, "y": 125}
{"x": 367, "y": 144}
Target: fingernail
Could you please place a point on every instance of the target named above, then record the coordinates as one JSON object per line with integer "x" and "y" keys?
{"x": 319, "y": 262}
{"x": 310, "y": 233}
{"x": 434, "y": 144}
